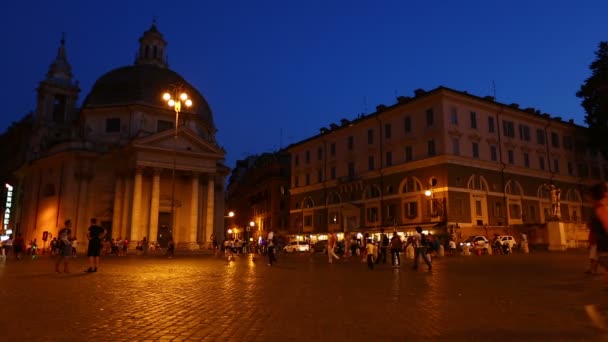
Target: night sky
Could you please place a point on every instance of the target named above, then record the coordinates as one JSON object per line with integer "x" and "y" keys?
{"x": 274, "y": 72}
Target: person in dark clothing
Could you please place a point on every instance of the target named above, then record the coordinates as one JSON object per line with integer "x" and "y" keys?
{"x": 95, "y": 234}
{"x": 383, "y": 250}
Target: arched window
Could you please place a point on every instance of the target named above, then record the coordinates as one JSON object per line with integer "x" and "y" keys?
{"x": 477, "y": 183}
{"x": 513, "y": 188}
{"x": 573, "y": 196}
{"x": 411, "y": 184}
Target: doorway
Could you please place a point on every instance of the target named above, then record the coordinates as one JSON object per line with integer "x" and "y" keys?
{"x": 165, "y": 230}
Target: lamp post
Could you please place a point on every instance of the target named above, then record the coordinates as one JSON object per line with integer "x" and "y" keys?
{"x": 175, "y": 101}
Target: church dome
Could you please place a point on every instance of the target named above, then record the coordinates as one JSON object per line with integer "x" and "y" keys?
{"x": 144, "y": 84}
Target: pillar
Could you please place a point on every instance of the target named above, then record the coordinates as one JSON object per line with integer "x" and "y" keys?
{"x": 194, "y": 209}
{"x": 136, "y": 231}
{"x": 154, "y": 202}
{"x": 210, "y": 208}
{"x": 126, "y": 208}
{"x": 116, "y": 213}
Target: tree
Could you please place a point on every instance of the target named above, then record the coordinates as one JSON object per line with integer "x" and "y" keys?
{"x": 594, "y": 93}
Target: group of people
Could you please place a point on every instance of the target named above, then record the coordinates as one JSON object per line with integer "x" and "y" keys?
{"x": 95, "y": 234}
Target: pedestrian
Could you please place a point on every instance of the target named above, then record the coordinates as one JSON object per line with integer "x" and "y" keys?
{"x": 420, "y": 244}
{"x": 592, "y": 252}
{"x": 74, "y": 245}
{"x": 64, "y": 247}
{"x": 370, "y": 255}
{"x": 145, "y": 246}
{"x": 18, "y": 246}
{"x": 171, "y": 247}
{"x": 452, "y": 247}
{"x": 214, "y": 244}
{"x": 34, "y": 248}
{"x": 383, "y": 250}
{"x": 599, "y": 227}
{"x": 95, "y": 234}
{"x": 271, "y": 244}
{"x": 396, "y": 247}
{"x": 8, "y": 245}
{"x": 331, "y": 246}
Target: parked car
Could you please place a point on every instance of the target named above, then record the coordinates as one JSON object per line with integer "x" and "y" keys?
{"x": 320, "y": 246}
{"x": 476, "y": 242}
{"x": 297, "y": 246}
{"x": 507, "y": 239}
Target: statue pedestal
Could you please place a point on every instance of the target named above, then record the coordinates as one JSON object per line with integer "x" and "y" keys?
{"x": 557, "y": 236}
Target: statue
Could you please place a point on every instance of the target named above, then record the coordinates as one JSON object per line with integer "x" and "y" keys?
{"x": 555, "y": 196}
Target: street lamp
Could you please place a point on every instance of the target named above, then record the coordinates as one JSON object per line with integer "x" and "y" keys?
{"x": 175, "y": 102}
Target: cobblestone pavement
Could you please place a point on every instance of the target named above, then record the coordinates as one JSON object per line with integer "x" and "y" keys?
{"x": 533, "y": 297}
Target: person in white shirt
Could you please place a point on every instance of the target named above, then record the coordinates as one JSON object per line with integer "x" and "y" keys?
{"x": 452, "y": 247}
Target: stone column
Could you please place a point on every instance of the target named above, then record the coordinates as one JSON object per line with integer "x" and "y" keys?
{"x": 194, "y": 209}
{"x": 210, "y": 209}
{"x": 126, "y": 208}
{"x": 136, "y": 231}
{"x": 153, "y": 233}
{"x": 116, "y": 215}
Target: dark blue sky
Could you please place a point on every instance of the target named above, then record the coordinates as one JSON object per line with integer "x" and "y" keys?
{"x": 274, "y": 72}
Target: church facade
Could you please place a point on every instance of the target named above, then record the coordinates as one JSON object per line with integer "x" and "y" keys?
{"x": 124, "y": 157}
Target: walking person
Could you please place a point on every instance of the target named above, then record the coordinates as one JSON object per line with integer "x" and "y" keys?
{"x": 145, "y": 245}
{"x": 271, "y": 244}
{"x": 95, "y": 234}
{"x": 371, "y": 250}
{"x": 421, "y": 245}
{"x": 383, "y": 250}
{"x": 599, "y": 229}
{"x": 331, "y": 246}
{"x": 65, "y": 247}
{"x": 18, "y": 246}
{"x": 8, "y": 245}
{"x": 592, "y": 252}
{"x": 171, "y": 248}
{"x": 396, "y": 246}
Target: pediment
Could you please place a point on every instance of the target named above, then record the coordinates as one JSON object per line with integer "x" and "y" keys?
{"x": 186, "y": 142}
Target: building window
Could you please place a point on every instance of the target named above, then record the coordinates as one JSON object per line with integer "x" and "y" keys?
{"x": 456, "y": 147}
{"x": 541, "y": 163}
{"x": 163, "y": 125}
{"x": 409, "y": 154}
{"x": 370, "y": 136}
{"x": 478, "y": 208}
{"x": 389, "y": 158}
{"x": 555, "y": 165}
{"x": 508, "y": 129}
{"x": 570, "y": 169}
{"x": 370, "y": 163}
{"x": 307, "y": 220}
{"x": 429, "y": 117}
{"x": 351, "y": 169}
{"x": 296, "y": 160}
{"x": 567, "y": 142}
{"x": 333, "y": 172}
{"x": 372, "y": 214}
{"x": 308, "y": 179}
{"x": 431, "y": 148}
{"x": 407, "y": 124}
{"x": 307, "y": 157}
{"x": 491, "y": 128}
{"x": 493, "y": 153}
{"x": 454, "y": 116}
{"x": 410, "y": 209}
{"x": 498, "y": 209}
{"x": 391, "y": 210}
{"x": 583, "y": 170}
{"x": 511, "y": 157}
{"x": 540, "y": 136}
{"x": 320, "y": 153}
{"x": 474, "y": 120}
{"x": 524, "y": 133}
{"x": 526, "y": 160}
{"x": 554, "y": 140}
{"x": 332, "y": 149}
{"x": 515, "y": 211}
{"x": 351, "y": 143}
{"x": 112, "y": 125}
{"x": 475, "y": 150}
{"x": 320, "y": 175}
{"x": 387, "y": 131}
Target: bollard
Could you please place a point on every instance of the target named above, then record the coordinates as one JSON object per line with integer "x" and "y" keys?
{"x": 441, "y": 251}
{"x": 466, "y": 250}
{"x": 524, "y": 247}
{"x": 409, "y": 252}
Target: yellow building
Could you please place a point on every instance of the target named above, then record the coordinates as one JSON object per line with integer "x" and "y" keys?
{"x": 120, "y": 158}
{"x": 444, "y": 158}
